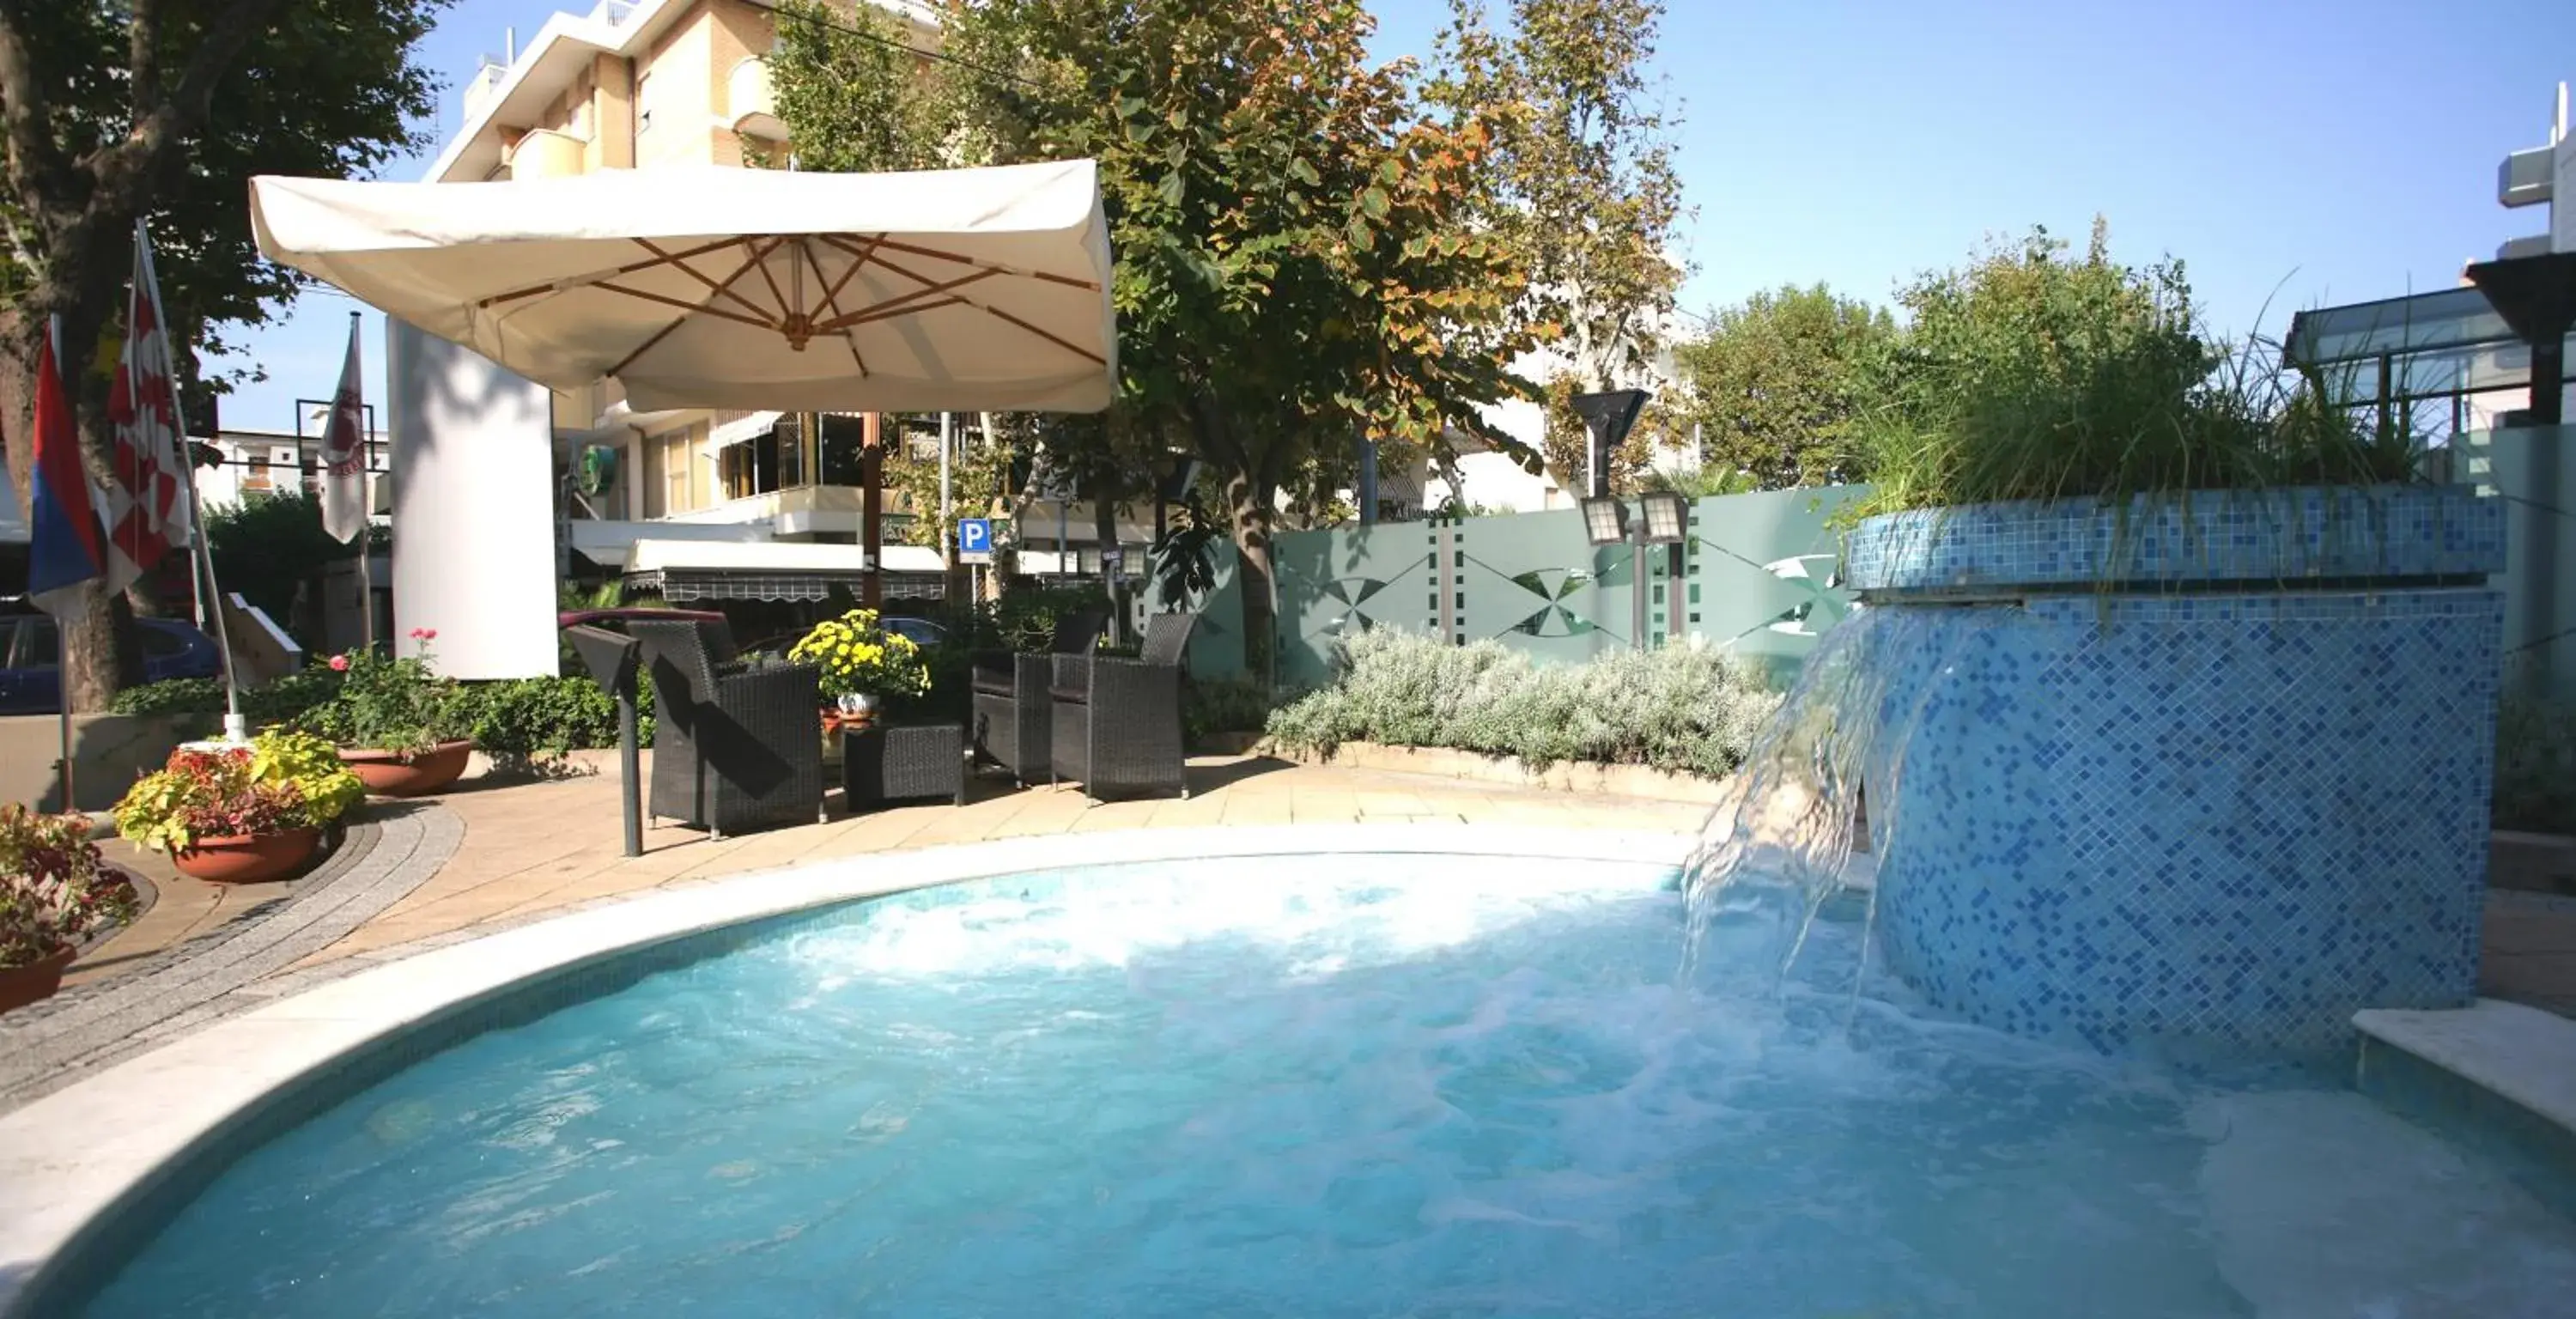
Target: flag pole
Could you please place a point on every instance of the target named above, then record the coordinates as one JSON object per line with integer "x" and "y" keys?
{"x": 235, "y": 729}
{"x": 62, "y": 628}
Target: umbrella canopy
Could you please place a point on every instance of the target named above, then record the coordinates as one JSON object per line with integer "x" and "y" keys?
{"x": 943, "y": 290}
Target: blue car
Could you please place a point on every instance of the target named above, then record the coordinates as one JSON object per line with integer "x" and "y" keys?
{"x": 31, "y": 682}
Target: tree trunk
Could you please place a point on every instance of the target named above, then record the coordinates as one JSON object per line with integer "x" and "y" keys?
{"x": 104, "y": 653}
{"x": 1104, "y": 531}
{"x": 1255, "y": 517}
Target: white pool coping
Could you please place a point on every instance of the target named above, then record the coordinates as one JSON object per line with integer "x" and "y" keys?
{"x": 76, "y": 1156}
{"x": 2520, "y": 1053}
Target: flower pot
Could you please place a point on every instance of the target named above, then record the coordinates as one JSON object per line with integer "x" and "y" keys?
{"x": 248, "y": 859}
{"x": 389, "y": 774}
{"x": 22, "y": 985}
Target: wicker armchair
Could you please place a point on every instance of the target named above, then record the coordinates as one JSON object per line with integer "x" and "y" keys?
{"x": 1011, "y": 707}
{"x": 1117, "y": 722}
{"x": 734, "y": 748}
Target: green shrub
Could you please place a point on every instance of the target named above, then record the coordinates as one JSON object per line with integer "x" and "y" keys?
{"x": 524, "y": 720}
{"x": 2032, "y": 374}
{"x": 2535, "y": 773}
{"x": 1225, "y": 705}
{"x": 1677, "y": 708}
{"x": 277, "y": 702}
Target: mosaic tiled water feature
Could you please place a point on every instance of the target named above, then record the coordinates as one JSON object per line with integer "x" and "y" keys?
{"x": 2198, "y": 807}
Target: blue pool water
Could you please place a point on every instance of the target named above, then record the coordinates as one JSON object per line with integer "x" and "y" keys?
{"x": 1326, "y": 1086}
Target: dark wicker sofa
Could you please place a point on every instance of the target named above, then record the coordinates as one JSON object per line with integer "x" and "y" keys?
{"x": 735, "y": 748}
{"x": 1012, "y": 711}
{"x": 1117, "y": 722}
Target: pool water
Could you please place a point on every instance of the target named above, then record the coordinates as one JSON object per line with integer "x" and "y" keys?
{"x": 1324, "y": 1086}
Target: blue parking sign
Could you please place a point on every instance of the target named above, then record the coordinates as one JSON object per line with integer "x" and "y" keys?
{"x": 974, "y": 535}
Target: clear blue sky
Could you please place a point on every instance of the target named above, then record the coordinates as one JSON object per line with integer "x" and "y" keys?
{"x": 2300, "y": 152}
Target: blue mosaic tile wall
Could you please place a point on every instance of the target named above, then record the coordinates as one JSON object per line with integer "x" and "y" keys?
{"x": 2213, "y": 820}
{"x": 2210, "y": 535}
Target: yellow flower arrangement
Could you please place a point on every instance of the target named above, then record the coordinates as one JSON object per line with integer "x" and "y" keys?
{"x": 858, "y": 656}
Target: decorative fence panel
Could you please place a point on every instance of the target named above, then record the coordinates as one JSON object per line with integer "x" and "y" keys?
{"x": 1755, "y": 576}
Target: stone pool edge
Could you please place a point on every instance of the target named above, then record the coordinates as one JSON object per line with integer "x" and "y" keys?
{"x": 71, "y": 1161}
{"x": 2494, "y": 1075}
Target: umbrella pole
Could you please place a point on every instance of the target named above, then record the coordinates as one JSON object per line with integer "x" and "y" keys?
{"x": 872, "y": 507}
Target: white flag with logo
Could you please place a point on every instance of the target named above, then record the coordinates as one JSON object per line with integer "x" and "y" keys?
{"x": 344, "y": 454}
{"x": 147, "y": 506}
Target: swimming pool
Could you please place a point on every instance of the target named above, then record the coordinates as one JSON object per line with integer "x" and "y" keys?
{"x": 1325, "y": 1085}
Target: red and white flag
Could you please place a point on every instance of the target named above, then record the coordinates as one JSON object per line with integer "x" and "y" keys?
{"x": 344, "y": 453}
{"x": 147, "y": 509}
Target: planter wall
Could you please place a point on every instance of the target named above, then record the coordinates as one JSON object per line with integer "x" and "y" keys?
{"x": 2214, "y": 777}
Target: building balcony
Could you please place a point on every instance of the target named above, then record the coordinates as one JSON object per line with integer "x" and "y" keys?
{"x": 752, "y": 103}
{"x": 2524, "y": 179}
{"x": 546, "y": 154}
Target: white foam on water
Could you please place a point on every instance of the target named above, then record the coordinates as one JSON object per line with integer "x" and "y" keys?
{"x": 2327, "y": 1206}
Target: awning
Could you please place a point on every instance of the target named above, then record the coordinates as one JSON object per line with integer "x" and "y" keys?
{"x": 942, "y": 290}
{"x": 764, "y": 570}
{"x": 2431, "y": 345}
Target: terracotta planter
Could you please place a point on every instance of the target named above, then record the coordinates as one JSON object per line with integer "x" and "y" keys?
{"x": 387, "y": 774}
{"x": 22, "y": 985}
{"x": 249, "y": 859}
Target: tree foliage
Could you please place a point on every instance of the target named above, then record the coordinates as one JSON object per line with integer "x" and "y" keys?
{"x": 1299, "y": 256}
{"x": 1775, "y": 385}
{"x": 115, "y": 110}
{"x": 1581, "y": 180}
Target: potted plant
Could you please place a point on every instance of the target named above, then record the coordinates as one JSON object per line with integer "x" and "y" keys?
{"x": 863, "y": 666}
{"x": 241, "y": 814}
{"x": 405, "y": 731}
{"x": 55, "y": 889}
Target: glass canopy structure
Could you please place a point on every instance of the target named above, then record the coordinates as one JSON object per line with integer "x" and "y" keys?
{"x": 2444, "y": 345}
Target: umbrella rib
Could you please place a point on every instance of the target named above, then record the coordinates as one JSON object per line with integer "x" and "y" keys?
{"x": 646, "y": 346}
{"x": 724, "y": 289}
{"x": 665, "y": 331}
{"x": 895, "y": 306}
{"x": 762, "y": 261}
{"x": 832, "y": 295}
{"x": 1077, "y": 351}
{"x": 995, "y": 267}
{"x": 696, "y": 307}
{"x": 986, "y": 308}
{"x": 832, "y": 304}
{"x": 559, "y": 285}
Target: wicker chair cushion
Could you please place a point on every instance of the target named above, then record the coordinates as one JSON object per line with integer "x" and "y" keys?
{"x": 992, "y": 682}
{"x": 1071, "y": 695}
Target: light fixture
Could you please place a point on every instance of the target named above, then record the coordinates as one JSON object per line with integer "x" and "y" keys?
{"x": 1667, "y": 518}
{"x": 1605, "y": 521}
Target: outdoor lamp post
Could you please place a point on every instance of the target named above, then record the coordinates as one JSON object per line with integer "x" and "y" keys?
{"x": 1667, "y": 523}
{"x": 1605, "y": 520}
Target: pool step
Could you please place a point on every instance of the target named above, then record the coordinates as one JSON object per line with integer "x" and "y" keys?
{"x": 2497, "y": 1076}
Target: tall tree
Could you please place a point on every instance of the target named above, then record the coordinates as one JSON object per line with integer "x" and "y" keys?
{"x": 1299, "y": 261}
{"x": 115, "y": 110}
{"x": 1775, "y": 385}
{"x": 1581, "y": 183}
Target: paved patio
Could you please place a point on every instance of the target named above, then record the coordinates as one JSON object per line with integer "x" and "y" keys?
{"x": 530, "y": 848}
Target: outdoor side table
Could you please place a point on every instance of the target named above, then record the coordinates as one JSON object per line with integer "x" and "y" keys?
{"x": 881, "y": 764}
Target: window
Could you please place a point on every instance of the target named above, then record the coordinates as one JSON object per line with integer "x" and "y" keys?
{"x": 676, "y": 455}
{"x": 161, "y": 643}
{"x": 257, "y": 477}
{"x": 37, "y": 646}
{"x": 643, "y": 103}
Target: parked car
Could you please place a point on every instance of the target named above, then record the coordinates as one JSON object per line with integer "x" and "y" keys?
{"x": 919, "y": 631}
{"x": 31, "y": 680}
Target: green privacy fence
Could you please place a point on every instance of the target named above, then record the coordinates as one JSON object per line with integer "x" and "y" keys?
{"x": 1754, "y": 576}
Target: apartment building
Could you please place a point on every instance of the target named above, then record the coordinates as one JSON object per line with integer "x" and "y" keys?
{"x": 682, "y": 501}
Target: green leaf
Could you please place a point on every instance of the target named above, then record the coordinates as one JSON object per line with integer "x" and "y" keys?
{"x": 1374, "y": 202}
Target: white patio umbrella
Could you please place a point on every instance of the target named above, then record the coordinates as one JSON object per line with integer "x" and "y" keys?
{"x": 944, "y": 290}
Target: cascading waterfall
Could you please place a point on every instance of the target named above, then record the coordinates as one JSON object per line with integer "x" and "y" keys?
{"x": 1782, "y": 844}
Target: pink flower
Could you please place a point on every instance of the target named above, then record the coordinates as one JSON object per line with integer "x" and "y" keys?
{"x": 429, "y": 634}
{"x": 339, "y": 664}
{"x": 419, "y": 634}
